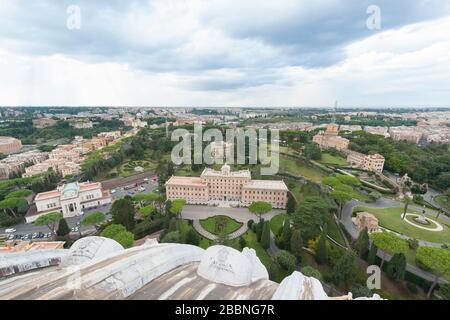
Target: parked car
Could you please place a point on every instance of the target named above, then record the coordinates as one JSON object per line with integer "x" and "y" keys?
{"x": 113, "y": 190}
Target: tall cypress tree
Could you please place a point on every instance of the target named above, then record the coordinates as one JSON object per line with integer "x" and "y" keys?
{"x": 296, "y": 243}
{"x": 259, "y": 229}
{"x": 361, "y": 244}
{"x": 396, "y": 267}
{"x": 372, "y": 257}
{"x": 285, "y": 240}
{"x": 265, "y": 236}
{"x": 63, "y": 228}
{"x": 322, "y": 250}
{"x": 291, "y": 204}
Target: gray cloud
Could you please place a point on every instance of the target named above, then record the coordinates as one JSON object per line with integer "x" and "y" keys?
{"x": 253, "y": 37}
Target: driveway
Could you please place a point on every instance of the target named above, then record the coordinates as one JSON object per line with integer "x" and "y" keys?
{"x": 196, "y": 212}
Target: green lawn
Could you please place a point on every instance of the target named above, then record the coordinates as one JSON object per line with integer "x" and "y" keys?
{"x": 443, "y": 201}
{"x": 300, "y": 168}
{"x": 333, "y": 160}
{"x": 250, "y": 238}
{"x": 391, "y": 218}
{"x": 214, "y": 225}
{"x": 276, "y": 223}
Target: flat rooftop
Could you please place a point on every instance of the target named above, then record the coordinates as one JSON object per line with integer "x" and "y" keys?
{"x": 186, "y": 181}
{"x": 266, "y": 184}
{"x": 208, "y": 172}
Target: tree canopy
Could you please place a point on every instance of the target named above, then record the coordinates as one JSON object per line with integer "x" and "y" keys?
{"x": 94, "y": 218}
{"x": 123, "y": 212}
{"x": 50, "y": 220}
{"x": 310, "y": 215}
{"x": 259, "y": 208}
{"x": 177, "y": 206}
{"x": 435, "y": 259}
{"x": 147, "y": 210}
{"x": 389, "y": 242}
{"x": 23, "y": 193}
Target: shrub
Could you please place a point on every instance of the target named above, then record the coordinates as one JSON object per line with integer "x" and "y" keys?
{"x": 172, "y": 237}
{"x": 192, "y": 237}
{"x": 311, "y": 272}
{"x": 413, "y": 244}
{"x": 285, "y": 260}
{"x": 359, "y": 291}
{"x": 147, "y": 227}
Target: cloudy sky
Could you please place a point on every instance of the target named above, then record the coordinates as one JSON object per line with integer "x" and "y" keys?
{"x": 225, "y": 53}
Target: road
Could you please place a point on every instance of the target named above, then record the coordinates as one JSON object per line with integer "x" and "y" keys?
{"x": 29, "y": 228}
{"x": 429, "y": 197}
{"x": 194, "y": 212}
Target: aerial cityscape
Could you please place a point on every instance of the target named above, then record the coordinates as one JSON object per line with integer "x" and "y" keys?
{"x": 254, "y": 169}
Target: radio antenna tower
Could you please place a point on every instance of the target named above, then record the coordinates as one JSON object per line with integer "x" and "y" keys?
{"x": 334, "y": 111}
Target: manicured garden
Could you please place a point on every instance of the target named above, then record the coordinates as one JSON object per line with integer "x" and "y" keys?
{"x": 391, "y": 218}
{"x": 220, "y": 225}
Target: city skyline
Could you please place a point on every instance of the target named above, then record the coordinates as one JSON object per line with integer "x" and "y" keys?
{"x": 206, "y": 54}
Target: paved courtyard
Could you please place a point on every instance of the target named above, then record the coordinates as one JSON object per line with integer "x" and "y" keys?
{"x": 196, "y": 212}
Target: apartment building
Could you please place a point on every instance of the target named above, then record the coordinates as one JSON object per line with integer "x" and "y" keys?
{"x": 373, "y": 163}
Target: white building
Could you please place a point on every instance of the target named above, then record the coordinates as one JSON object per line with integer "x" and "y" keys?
{"x": 70, "y": 199}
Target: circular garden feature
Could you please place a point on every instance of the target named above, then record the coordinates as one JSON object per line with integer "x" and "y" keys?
{"x": 220, "y": 225}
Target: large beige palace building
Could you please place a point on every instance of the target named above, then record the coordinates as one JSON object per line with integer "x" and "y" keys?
{"x": 225, "y": 185}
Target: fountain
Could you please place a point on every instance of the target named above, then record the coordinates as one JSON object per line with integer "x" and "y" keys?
{"x": 422, "y": 219}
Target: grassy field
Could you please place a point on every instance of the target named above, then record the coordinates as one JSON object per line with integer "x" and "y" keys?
{"x": 212, "y": 224}
{"x": 300, "y": 168}
{"x": 332, "y": 160}
{"x": 276, "y": 223}
{"x": 391, "y": 218}
{"x": 443, "y": 201}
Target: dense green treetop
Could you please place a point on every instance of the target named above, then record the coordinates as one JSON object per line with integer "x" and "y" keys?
{"x": 389, "y": 242}
{"x": 94, "y": 218}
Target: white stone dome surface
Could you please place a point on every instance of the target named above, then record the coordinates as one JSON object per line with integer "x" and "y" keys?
{"x": 90, "y": 248}
{"x": 228, "y": 266}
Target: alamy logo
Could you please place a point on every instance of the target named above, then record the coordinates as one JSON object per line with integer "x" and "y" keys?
{"x": 262, "y": 148}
